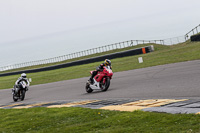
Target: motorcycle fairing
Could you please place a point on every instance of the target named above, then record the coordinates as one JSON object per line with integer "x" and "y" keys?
{"x": 15, "y": 90}
{"x": 91, "y": 72}
{"x": 99, "y": 76}
{"x": 95, "y": 85}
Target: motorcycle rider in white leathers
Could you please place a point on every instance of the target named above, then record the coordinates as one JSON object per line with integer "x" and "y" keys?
{"x": 22, "y": 78}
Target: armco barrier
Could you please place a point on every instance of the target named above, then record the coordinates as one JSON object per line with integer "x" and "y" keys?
{"x": 195, "y": 37}
{"x": 132, "y": 52}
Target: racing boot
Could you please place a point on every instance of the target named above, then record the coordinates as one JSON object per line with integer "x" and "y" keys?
{"x": 13, "y": 91}
{"x": 91, "y": 81}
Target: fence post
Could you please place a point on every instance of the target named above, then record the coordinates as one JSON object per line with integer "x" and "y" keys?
{"x": 177, "y": 39}
{"x": 102, "y": 49}
{"x": 131, "y": 44}
{"x": 186, "y": 37}
{"x": 65, "y": 57}
{"x": 89, "y": 51}
{"x": 93, "y": 51}
{"x": 106, "y": 48}
{"x": 109, "y": 47}
{"x": 119, "y": 45}
{"x": 128, "y": 44}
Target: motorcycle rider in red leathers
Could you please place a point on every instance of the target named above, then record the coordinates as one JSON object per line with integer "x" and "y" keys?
{"x": 107, "y": 62}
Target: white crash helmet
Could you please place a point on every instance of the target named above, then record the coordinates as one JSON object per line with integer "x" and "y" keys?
{"x": 23, "y": 75}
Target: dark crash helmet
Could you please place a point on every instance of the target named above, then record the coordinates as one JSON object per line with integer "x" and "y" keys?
{"x": 107, "y": 62}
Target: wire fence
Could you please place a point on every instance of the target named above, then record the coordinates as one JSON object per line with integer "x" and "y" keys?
{"x": 175, "y": 40}
{"x": 82, "y": 53}
{"x": 194, "y": 31}
{"x": 169, "y": 41}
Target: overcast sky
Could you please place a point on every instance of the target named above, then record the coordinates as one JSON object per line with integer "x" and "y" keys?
{"x": 74, "y": 25}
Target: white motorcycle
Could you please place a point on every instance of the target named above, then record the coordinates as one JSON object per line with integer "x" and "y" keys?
{"x": 19, "y": 91}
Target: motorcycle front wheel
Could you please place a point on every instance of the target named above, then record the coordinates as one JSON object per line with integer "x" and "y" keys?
{"x": 15, "y": 98}
{"x": 87, "y": 88}
{"x": 22, "y": 95}
{"x": 104, "y": 87}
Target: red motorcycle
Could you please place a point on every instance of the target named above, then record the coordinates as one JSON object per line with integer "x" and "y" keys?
{"x": 101, "y": 80}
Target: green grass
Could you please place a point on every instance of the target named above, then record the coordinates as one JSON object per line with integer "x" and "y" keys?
{"x": 162, "y": 55}
{"x": 79, "y": 120}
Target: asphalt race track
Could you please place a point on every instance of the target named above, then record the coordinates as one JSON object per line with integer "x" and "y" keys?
{"x": 171, "y": 81}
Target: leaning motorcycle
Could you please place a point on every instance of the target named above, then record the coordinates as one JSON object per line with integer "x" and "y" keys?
{"x": 19, "y": 91}
{"x": 101, "y": 80}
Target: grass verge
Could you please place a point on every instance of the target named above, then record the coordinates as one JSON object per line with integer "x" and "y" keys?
{"x": 162, "y": 55}
{"x": 79, "y": 120}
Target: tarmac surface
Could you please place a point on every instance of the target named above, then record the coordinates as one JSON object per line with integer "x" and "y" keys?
{"x": 172, "y": 88}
